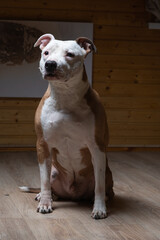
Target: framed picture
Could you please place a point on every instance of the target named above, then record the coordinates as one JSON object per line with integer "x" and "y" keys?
{"x": 19, "y": 60}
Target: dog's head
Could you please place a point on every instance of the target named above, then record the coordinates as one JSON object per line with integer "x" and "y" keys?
{"x": 61, "y": 60}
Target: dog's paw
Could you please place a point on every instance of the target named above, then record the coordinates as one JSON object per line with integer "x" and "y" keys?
{"x": 99, "y": 210}
{"x": 45, "y": 205}
{"x": 99, "y": 214}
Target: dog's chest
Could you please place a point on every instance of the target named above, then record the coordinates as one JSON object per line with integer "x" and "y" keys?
{"x": 67, "y": 133}
{"x": 64, "y": 127}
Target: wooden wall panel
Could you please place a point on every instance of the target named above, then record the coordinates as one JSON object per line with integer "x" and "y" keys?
{"x": 136, "y": 76}
{"x": 139, "y": 32}
{"x": 124, "y": 47}
{"x": 127, "y": 62}
{"x": 129, "y": 103}
{"x": 128, "y": 90}
{"x": 17, "y": 122}
{"x": 90, "y": 5}
{"x": 126, "y": 69}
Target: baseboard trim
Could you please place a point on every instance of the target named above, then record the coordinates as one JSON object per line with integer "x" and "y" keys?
{"x": 133, "y": 149}
{"x": 109, "y": 149}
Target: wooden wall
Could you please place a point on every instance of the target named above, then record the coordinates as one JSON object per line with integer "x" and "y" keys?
{"x": 126, "y": 68}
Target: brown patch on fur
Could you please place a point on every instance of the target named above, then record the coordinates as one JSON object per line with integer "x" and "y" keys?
{"x": 84, "y": 78}
{"x": 86, "y": 160}
{"x": 109, "y": 182}
{"x": 101, "y": 127}
{"x": 87, "y": 44}
{"x": 42, "y": 147}
{"x": 55, "y": 163}
{"x": 89, "y": 171}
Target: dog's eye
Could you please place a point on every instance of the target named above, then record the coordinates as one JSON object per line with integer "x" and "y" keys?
{"x": 71, "y": 55}
{"x": 46, "y": 53}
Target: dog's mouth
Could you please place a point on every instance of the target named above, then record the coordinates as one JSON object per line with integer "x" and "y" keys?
{"x": 51, "y": 76}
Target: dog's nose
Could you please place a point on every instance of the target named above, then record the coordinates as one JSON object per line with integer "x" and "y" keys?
{"x": 50, "y": 66}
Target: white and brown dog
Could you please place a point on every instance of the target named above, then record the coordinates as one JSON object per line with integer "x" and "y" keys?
{"x": 71, "y": 128}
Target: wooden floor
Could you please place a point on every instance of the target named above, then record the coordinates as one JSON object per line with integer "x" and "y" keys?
{"x": 135, "y": 214}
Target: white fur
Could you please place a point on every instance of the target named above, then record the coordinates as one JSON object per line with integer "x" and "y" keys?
{"x": 65, "y": 128}
{"x": 66, "y": 66}
{"x": 24, "y": 189}
{"x": 45, "y": 204}
{"x": 99, "y": 163}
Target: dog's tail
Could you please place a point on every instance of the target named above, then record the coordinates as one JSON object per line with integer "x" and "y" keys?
{"x": 29, "y": 190}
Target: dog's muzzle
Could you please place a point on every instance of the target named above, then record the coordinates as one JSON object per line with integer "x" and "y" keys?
{"x": 50, "y": 67}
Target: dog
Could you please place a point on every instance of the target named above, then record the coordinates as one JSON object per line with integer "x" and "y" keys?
{"x": 71, "y": 128}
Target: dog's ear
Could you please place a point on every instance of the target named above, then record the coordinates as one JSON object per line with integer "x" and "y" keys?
{"x": 87, "y": 44}
{"x": 44, "y": 40}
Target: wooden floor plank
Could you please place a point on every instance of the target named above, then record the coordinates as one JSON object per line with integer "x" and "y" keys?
{"x": 13, "y": 229}
{"x": 134, "y": 215}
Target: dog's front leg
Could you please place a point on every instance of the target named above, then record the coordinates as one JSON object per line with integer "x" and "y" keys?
{"x": 99, "y": 165}
{"x": 45, "y": 204}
